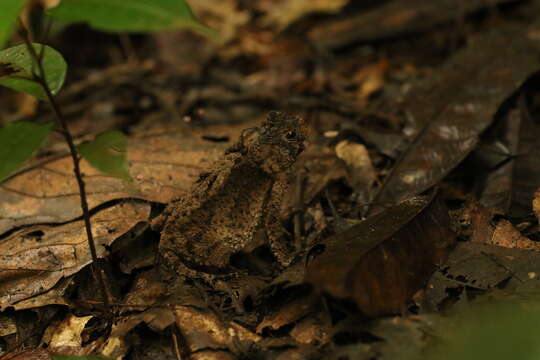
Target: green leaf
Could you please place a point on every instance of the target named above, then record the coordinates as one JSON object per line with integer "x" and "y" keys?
{"x": 9, "y": 11}
{"x": 17, "y": 67}
{"x": 107, "y": 153}
{"x": 130, "y": 15}
{"x": 18, "y": 141}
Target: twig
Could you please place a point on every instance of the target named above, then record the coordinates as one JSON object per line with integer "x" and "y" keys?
{"x": 40, "y": 78}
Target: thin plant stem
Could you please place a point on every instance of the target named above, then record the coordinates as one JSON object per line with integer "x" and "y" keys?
{"x": 40, "y": 78}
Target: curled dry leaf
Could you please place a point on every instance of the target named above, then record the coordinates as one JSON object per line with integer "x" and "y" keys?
{"x": 313, "y": 330}
{"x": 370, "y": 79}
{"x": 502, "y": 234}
{"x": 202, "y": 329}
{"x": 361, "y": 174}
{"x": 34, "y": 259}
{"x": 282, "y": 13}
{"x": 382, "y": 261}
{"x": 506, "y": 235}
{"x": 66, "y": 334}
{"x": 226, "y": 18}
{"x": 287, "y": 314}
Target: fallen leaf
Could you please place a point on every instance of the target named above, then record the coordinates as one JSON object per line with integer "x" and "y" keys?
{"x": 162, "y": 164}
{"x": 483, "y": 267}
{"x": 390, "y": 19}
{"x": 67, "y": 333}
{"x": 361, "y": 174}
{"x": 382, "y": 261}
{"x": 282, "y": 13}
{"x": 471, "y": 88}
{"x": 34, "y": 259}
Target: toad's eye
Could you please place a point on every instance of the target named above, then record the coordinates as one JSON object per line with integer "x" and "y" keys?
{"x": 290, "y": 135}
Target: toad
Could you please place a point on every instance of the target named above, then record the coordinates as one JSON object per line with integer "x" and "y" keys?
{"x": 228, "y": 206}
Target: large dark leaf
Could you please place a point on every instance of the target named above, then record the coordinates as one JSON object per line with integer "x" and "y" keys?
{"x": 385, "y": 259}
{"x": 459, "y": 107}
{"x": 393, "y": 18}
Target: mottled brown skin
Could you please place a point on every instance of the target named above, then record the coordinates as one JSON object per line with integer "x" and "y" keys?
{"x": 229, "y": 205}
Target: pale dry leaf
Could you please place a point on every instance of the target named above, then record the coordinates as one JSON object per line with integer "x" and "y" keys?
{"x": 66, "y": 333}
{"x": 226, "y": 18}
{"x": 506, "y": 235}
{"x": 282, "y": 13}
{"x": 312, "y": 330}
{"x": 35, "y": 258}
{"x": 361, "y": 173}
{"x": 370, "y": 79}
{"x": 55, "y": 296}
{"x": 203, "y": 329}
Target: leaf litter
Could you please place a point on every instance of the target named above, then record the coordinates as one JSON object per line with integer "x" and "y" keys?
{"x": 365, "y": 285}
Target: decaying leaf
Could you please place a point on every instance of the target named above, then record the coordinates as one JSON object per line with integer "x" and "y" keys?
{"x": 202, "y": 329}
{"x": 392, "y": 19}
{"x": 384, "y": 260}
{"x": 34, "y": 259}
{"x": 458, "y": 108}
{"x": 483, "y": 267}
{"x": 288, "y": 314}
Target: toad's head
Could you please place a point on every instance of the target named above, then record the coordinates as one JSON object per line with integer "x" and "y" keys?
{"x": 276, "y": 144}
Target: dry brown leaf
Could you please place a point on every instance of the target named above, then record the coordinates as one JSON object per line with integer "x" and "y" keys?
{"x": 163, "y": 165}
{"x": 202, "y": 329}
{"x": 313, "y": 330}
{"x": 39, "y": 354}
{"x": 384, "y": 260}
{"x": 145, "y": 291}
{"x": 506, "y": 235}
{"x": 287, "y": 314}
{"x": 34, "y": 259}
{"x": 370, "y": 79}
{"x": 157, "y": 319}
{"x": 282, "y": 13}
{"x": 226, "y": 18}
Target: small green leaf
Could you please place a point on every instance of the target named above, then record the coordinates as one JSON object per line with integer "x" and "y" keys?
{"x": 18, "y": 141}
{"x": 130, "y": 16}
{"x": 9, "y": 10}
{"x": 107, "y": 153}
{"x": 17, "y": 68}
